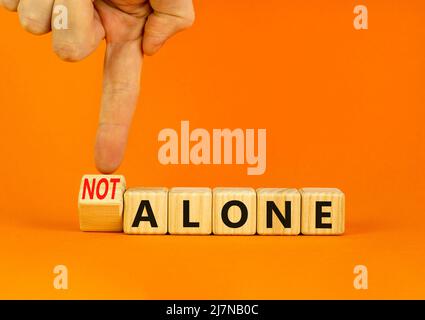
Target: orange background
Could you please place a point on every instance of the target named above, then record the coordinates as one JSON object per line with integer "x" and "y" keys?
{"x": 342, "y": 108}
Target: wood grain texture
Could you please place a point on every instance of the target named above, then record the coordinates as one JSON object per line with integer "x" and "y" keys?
{"x": 100, "y": 202}
{"x": 146, "y": 211}
{"x": 278, "y": 203}
{"x": 191, "y": 207}
{"x": 329, "y": 201}
{"x": 236, "y": 200}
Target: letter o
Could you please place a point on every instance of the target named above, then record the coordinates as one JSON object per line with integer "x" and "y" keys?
{"x": 225, "y": 214}
{"x": 102, "y": 196}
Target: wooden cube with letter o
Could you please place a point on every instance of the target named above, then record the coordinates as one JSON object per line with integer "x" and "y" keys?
{"x": 234, "y": 211}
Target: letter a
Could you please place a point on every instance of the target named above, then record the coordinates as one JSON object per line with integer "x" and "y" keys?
{"x": 361, "y": 20}
{"x": 61, "y": 280}
{"x": 361, "y": 279}
{"x": 60, "y": 22}
{"x": 169, "y": 152}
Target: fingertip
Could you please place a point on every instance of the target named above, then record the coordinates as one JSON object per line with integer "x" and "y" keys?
{"x": 105, "y": 167}
{"x": 150, "y": 48}
{"x": 110, "y": 148}
{"x": 104, "y": 164}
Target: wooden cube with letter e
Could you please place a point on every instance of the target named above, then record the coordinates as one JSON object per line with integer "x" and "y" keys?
{"x": 322, "y": 211}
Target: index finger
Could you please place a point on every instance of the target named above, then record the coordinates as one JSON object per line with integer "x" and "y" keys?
{"x": 121, "y": 83}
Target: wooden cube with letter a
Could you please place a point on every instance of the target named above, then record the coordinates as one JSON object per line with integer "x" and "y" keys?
{"x": 278, "y": 211}
{"x": 100, "y": 202}
{"x": 234, "y": 211}
{"x": 145, "y": 211}
{"x": 190, "y": 211}
{"x": 322, "y": 211}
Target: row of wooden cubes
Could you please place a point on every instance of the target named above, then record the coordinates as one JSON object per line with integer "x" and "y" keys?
{"x": 105, "y": 205}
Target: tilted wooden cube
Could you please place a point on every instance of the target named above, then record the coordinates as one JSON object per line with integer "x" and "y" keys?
{"x": 146, "y": 211}
{"x": 234, "y": 211}
{"x": 100, "y": 202}
{"x": 323, "y": 211}
{"x": 278, "y": 211}
{"x": 190, "y": 211}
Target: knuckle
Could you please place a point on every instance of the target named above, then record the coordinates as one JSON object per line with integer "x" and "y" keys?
{"x": 11, "y": 5}
{"x": 68, "y": 51}
{"x": 119, "y": 88}
{"x": 188, "y": 21}
{"x": 33, "y": 24}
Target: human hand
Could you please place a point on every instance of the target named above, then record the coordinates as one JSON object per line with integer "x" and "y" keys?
{"x": 131, "y": 28}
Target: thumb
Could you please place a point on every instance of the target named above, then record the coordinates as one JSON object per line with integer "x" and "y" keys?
{"x": 121, "y": 85}
{"x": 168, "y": 18}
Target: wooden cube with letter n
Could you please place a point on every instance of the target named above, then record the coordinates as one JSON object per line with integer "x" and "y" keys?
{"x": 145, "y": 211}
{"x": 322, "y": 211}
{"x": 234, "y": 211}
{"x": 100, "y": 202}
{"x": 190, "y": 211}
{"x": 278, "y": 211}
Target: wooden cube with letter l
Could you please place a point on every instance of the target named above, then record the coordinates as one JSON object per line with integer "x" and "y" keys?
{"x": 278, "y": 211}
{"x": 190, "y": 211}
{"x": 100, "y": 202}
{"x": 234, "y": 211}
{"x": 145, "y": 211}
{"x": 322, "y": 211}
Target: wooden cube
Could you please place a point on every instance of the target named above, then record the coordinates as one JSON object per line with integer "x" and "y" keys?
{"x": 234, "y": 211}
{"x": 145, "y": 210}
{"x": 278, "y": 211}
{"x": 322, "y": 211}
{"x": 100, "y": 202}
{"x": 190, "y": 211}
